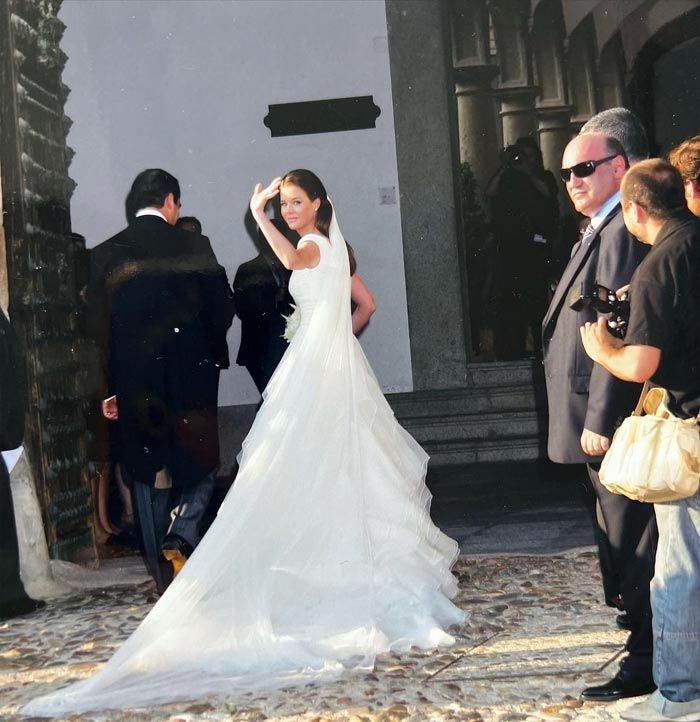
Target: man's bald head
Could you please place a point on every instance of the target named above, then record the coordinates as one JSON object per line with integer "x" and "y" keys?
{"x": 595, "y": 164}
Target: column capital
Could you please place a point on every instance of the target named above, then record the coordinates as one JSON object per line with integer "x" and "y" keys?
{"x": 554, "y": 117}
{"x": 516, "y": 99}
{"x": 474, "y": 78}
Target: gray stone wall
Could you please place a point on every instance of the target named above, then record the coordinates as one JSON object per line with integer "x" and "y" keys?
{"x": 426, "y": 160}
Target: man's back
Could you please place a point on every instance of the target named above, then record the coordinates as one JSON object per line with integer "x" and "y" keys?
{"x": 165, "y": 306}
{"x": 666, "y": 313}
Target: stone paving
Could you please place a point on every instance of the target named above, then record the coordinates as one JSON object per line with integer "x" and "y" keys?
{"x": 536, "y": 633}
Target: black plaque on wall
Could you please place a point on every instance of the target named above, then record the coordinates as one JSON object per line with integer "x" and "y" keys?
{"x": 322, "y": 116}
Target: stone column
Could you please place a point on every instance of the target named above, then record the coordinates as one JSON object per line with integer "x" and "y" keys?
{"x": 517, "y": 112}
{"x": 517, "y": 90}
{"x": 554, "y": 129}
{"x": 473, "y": 76}
{"x": 476, "y": 112}
{"x": 426, "y": 155}
{"x": 4, "y": 285}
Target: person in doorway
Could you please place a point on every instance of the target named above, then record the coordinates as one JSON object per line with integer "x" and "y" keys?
{"x": 524, "y": 215}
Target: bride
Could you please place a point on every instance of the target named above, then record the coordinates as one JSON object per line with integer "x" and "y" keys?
{"x": 323, "y": 553}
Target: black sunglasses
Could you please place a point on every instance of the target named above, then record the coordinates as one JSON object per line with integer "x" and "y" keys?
{"x": 583, "y": 170}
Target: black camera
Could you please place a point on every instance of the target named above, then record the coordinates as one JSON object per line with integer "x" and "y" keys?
{"x": 513, "y": 156}
{"x": 604, "y": 301}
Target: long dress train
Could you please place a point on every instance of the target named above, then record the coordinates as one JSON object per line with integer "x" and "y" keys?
{"x": 322, "y": 555}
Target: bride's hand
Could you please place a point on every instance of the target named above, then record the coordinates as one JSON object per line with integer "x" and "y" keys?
{"x": 262, "y": 195}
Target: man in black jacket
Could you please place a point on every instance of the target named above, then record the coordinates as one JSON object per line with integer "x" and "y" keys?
{"x": 166, "y": 306}
{"x": 263, "y": 300}
{"x": 662, "y": 346}
{"x": 586, "y": 402}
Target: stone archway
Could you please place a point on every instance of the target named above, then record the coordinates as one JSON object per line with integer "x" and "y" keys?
{"x": 663, "y": 38}
{"x": 677, "y": 79}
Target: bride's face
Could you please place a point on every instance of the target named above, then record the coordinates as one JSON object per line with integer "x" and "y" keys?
{"x": 298, "y": 210}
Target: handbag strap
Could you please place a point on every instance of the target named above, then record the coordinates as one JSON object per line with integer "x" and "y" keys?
{"x": 640, "y": 404}
{"x": 639, "y": 408}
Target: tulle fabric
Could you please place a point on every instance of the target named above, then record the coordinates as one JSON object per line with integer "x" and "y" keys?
{"x": 322, "y": 555}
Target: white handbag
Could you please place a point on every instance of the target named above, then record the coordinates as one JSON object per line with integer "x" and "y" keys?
{"x": 654, "y": 456}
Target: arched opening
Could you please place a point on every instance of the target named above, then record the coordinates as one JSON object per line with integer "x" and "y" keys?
{"x": 677, "y": 39}
{"x": 676, "y": 84}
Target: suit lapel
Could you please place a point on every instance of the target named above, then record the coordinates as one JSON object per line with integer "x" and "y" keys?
{"x": 578, "y": 260}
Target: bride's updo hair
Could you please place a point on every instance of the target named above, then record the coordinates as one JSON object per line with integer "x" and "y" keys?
{"x": 311, "y": 184}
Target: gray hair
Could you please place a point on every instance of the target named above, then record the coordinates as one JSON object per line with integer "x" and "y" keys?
{"x": 623, "y": 125}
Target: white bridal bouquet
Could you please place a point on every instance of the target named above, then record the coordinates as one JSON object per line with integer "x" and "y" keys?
{"x": 292, "y": 323}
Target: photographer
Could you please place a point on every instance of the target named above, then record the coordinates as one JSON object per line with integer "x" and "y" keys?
{"x": 662, "y": 345}
{"x": 522, "y": 198}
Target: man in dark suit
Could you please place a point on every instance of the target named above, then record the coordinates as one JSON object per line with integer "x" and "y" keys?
{"x": 623, "y": 125}
{"x": 586, "y": 403}
{"x": 166, "y": 306}
{"x": 262, "y": 300}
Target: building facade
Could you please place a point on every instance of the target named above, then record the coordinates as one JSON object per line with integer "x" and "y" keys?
{"x": 187, "y": 86}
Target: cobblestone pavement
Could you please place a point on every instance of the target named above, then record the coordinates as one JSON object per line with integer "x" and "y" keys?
{"x": 536, "y": 633}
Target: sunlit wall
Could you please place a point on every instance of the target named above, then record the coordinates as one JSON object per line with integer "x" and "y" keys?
{"x": 185, "y": 85}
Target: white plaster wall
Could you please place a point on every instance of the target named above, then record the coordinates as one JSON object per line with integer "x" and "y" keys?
{"x": 185, "y": 85}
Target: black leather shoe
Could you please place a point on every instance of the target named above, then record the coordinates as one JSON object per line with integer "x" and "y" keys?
{"x": 620, "y": 686}
{"x": 623, "y": 621}
{"x": 176, "y": 550}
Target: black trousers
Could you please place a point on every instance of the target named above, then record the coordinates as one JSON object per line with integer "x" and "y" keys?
{"x": 629, "y": 530}
{"x": 160, "y": 511}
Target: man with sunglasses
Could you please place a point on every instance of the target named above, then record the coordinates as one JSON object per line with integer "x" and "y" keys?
{"x": 586, "y": 402}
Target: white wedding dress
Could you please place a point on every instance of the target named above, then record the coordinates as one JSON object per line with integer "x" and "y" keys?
{"x": 322, "y": 555}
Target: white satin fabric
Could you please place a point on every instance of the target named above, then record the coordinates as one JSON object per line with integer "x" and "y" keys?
{"x": 323, "y": 554}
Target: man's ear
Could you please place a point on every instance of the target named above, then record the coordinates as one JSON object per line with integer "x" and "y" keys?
{"x": 170, "y": 209}
{"x": 619, "y": 166}
{"x": 639, "y": 213}
{"x": 692, "y": 188}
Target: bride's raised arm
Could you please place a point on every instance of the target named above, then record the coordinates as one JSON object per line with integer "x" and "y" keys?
{"x": 293, "y": 259}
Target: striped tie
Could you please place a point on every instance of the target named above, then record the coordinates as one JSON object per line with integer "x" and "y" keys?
{"x": 584, "y": 242}
{"x": 587, "y": 235}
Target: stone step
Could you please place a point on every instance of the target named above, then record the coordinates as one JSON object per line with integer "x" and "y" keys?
{"x": 480, "y": 451}
{"x": 472, "y": 427}
{"x": 476, "y": 400}
{"x": 505, "y": 373}
{"x": 499, "y": 416}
